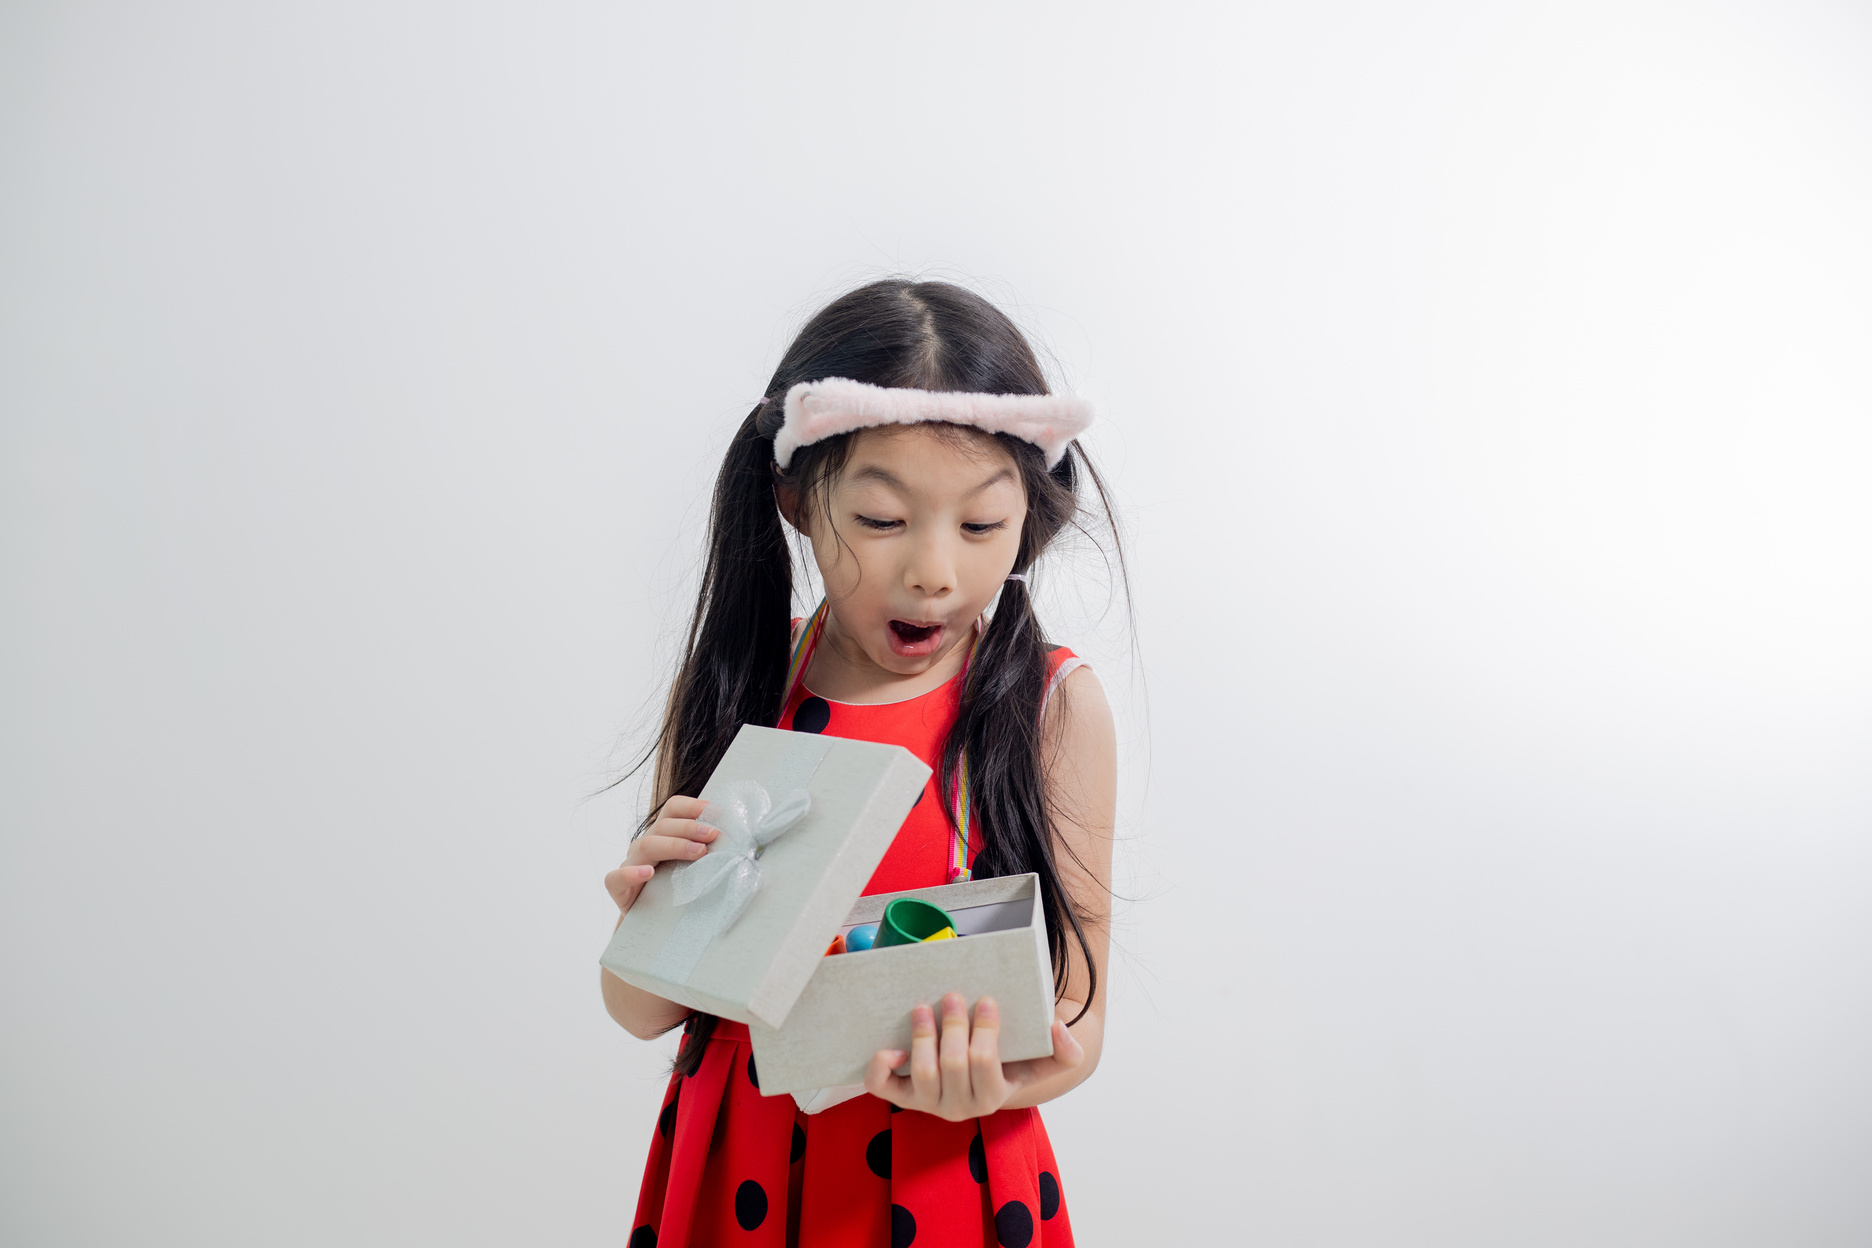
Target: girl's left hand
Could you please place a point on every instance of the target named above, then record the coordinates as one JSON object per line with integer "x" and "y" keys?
{"x": 960, "y": 1074}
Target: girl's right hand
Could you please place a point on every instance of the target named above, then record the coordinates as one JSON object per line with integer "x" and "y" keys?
{"x": 676, "y": 835}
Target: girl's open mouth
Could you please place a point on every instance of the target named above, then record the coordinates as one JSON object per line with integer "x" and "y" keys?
{"x": 913, "y": 641}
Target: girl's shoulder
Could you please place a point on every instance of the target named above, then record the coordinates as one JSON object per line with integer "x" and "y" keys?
{"x": 1061, "y": 663}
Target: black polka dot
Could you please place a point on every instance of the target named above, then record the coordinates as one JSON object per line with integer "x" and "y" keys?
{"x": 903, "y": 1227}
{"x": 643, "y": 1237}
{"x": 799, "y": 1143}
{"x": 877, "y": 1154}
{"x": 1014, "y": 1225}
{"x": 896, "y": 1109}
{"x": 753, "y": 1077}
{"x": 812, "y": 716}
{"x": 666, "y": 1121}
{"x": 1049, "y": 1195}
{"x": 978, "y": 1160}
{"x": 750, "y": 1205}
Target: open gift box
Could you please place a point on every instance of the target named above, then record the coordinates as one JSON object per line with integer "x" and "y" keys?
{"x": 806, "y": 819}
{"x": 858, "y": 1003}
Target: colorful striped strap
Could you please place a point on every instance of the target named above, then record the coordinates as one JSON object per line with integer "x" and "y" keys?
{"x": 802, "y": 654}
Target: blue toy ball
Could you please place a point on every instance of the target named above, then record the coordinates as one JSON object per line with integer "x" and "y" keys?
{"x": 861, "y": 938}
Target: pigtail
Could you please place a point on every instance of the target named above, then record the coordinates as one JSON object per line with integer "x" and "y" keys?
{"x": 734, "y": 663}
{"x": 1000, "y": 726}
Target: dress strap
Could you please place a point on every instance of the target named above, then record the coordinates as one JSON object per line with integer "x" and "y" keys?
{"x": 1066, "y": 668}
{"x": 802, "y": 654}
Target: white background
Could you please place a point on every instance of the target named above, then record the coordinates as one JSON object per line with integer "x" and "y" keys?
{"x": 1488, "y": 390}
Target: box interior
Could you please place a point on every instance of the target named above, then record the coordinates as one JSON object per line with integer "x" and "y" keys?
{"x": 858, "y": 1003}
{"x": 999, "y": 916}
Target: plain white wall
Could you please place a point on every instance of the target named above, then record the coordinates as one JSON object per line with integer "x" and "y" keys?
{"x": 1488, "y": 390}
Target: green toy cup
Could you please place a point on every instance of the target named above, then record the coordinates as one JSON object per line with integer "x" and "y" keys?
{"x": 908, "y": 921}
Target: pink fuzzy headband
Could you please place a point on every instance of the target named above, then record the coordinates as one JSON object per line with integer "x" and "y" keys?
{"x": 823, "y": 409}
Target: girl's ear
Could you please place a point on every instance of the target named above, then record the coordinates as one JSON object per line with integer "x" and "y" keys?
{"x": 787, "y": 499}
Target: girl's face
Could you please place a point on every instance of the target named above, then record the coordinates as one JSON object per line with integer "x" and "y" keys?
{"x": 923, "y": 529}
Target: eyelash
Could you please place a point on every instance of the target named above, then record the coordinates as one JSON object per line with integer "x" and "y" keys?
{"x": 976, "y": 530}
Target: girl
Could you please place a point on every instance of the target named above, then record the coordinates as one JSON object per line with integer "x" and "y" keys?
{"x": 923, "y": 501}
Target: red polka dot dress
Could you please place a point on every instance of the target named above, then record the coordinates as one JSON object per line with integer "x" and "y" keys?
{"x": 729, "y": 1166}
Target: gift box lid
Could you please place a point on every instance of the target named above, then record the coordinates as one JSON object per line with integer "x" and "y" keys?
{"x": 805, "y": 820}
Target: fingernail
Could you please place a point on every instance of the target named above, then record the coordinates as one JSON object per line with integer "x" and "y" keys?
{"x": 708, "y": 833}
{"x": 696, "y": 849}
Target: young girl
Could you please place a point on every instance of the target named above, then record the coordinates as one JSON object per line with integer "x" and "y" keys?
{"x": 927, "y": 491}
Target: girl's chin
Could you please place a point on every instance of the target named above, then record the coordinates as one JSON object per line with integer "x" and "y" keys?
{"x": 907, "y": 642}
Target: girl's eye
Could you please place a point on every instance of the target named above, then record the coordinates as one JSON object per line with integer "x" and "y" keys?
{"x": 871, "y": 522}
{"x": 980, "y": 529}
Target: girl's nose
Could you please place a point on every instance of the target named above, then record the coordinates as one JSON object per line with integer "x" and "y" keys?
{"x": 931, "y": 570}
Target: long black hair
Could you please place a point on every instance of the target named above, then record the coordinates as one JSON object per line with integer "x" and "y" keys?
{"x": 897, "y": 333}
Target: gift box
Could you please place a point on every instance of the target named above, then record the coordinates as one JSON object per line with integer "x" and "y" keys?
{"x": 858, "y": 1003}
{"x": 742, "y": 932}
{"x": 804, "y": 820}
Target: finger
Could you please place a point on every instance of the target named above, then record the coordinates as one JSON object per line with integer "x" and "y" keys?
{"x": 881, "y": 1083}
{"x": 1067, "y": 1054}
{"x": 689, "y": 829}
{"x": 681, "y": 808}
{"x": 925, "y": 1076}
{"x": 1067, "y": 1050}
{"x": 628, "y": 878}
{"x": 953, "y": 1054}
{"x": 625, "y": 882}
{"x": 985, "y": 1057}
{"x": 654, "y": 849}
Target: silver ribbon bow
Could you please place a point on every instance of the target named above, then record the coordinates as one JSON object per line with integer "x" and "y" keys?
{"x": 716, "y": 888}
{"x": 749, "y": 820}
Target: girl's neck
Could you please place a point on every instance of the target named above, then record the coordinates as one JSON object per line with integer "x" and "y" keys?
{"x": 842, "y": 671}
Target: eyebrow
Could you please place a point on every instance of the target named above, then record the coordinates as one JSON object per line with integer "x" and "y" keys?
{"x": 871, "y": 473}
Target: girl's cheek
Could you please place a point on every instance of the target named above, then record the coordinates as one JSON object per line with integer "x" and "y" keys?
{"x": 835, "y": 566}
{"x": 841, "y": 577}
{"x": 856, "y": 567}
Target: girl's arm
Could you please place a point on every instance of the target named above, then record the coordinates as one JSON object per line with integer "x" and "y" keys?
{"x": 643, "y": 1014}
{"x": 1082, "y": 786}
{"x": 677, "y": 835}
